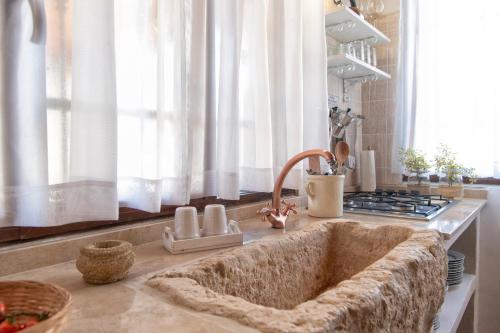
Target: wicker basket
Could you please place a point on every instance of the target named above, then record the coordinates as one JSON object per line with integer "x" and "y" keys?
{"x": 105, "y": 262}
{"x": 451, "y": 192}
{"x": 32, "y": 296}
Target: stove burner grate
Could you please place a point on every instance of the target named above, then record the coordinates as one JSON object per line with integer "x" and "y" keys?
{"x": 398, "y": 203}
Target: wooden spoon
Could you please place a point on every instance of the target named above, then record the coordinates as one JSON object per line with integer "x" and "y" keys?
{"x": 341, "y": 154}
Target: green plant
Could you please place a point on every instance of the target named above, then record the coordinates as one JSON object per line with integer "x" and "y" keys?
{"x": 471, "y": 173}
{"x": 414, "y": 162}
{"x": 446, "y": 162}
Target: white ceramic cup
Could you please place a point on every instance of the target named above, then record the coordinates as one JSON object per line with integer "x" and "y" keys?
{"x": 214, "y": 220}
{"x": 186, "y": 223}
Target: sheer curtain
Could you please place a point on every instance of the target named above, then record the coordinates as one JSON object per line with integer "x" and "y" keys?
{"x": 457, "y": 96}
{"x": 143, "y": 103}
{"x": 23, "y": 149}
{"x": 406, "y": 89}
{"x": 210, "y": 95}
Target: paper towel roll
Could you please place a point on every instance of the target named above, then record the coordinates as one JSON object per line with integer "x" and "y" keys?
{"x": 368, "y": 177}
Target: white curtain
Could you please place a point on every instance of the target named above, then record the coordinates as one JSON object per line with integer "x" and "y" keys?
{"x": 298, "y": 81}
{"x": 215, "y": 109}
{"x": 451, "y": 97}
{"x": 23, "y": 131}
{"x": 458, "y": 102}
{"x": 156, "y": 102}
{"x": 92, "y": 129}
{"x": 406, "y": 88}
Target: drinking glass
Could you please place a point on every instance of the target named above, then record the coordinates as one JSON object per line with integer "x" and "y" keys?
{"x": 363, "y": 5}
{"x": 350, "y": 49}
{"x": 370, "y": 9}
{"x": 379, "y": 7}
{"x": 368, "y": 55}
{"x": 374, "y": 56}
{"x": 361, "y": 50}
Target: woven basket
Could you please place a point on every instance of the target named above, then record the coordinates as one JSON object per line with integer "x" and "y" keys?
{"x": 105, "y": 262}
{"x": 32, "y": 296}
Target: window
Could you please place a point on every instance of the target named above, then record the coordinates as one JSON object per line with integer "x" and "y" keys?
{"x": 457, "y": 82}
{"x": 143, "y": 105}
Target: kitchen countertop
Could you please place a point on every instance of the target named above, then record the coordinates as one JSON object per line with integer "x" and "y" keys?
{"x": 131, "y": 306}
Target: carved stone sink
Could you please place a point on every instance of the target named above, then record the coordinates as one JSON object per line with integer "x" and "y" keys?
{"x": 329, "y": 277}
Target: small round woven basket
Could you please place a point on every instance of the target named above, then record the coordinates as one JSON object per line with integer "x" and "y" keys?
{"x": 38, "y": 297}
{"x": 105, "y": 262}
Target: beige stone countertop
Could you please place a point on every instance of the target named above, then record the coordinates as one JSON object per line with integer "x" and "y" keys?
{"x": 131, "y": 306}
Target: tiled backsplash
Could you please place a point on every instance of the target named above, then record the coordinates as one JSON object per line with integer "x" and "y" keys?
{"x": 379, "y": 102}
{"x": 336, "y": 88}
{"x": 376, "y": 101}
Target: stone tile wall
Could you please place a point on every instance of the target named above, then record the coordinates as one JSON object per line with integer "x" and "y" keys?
{"x": 379, "y": 102}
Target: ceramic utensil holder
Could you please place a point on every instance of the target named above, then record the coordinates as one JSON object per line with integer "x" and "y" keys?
{"x": 325, "y": 195}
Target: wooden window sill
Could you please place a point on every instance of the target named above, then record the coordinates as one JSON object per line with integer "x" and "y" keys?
{"x": 127, "y": 216}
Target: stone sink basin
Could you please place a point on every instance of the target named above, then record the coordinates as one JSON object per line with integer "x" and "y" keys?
{"x": 328, "y": 277}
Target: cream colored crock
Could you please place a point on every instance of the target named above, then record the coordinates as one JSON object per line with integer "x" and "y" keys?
{"x": 325, "y": 195}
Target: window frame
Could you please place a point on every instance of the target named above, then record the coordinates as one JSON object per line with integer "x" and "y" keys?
{"x": 483, "y": 181}
{"x": 465, "y": 180}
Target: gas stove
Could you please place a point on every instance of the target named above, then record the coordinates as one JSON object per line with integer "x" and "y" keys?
{"x": 402, "y": 204}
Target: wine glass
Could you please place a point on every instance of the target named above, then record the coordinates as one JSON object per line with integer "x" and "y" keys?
{"x": 370, "y": 8}
{"x": 362, "y": 5}
{"x": 379, "y": 7}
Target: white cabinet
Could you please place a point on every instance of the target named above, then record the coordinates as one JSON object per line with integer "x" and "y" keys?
{"x": 459, "y": 310}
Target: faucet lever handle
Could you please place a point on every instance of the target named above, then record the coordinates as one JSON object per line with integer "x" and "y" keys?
{"x": 265, "y": 212}
{"x": 289, "y": 207}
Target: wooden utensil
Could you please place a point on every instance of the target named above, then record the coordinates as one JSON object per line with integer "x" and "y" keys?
{"x": 341, "y": 154}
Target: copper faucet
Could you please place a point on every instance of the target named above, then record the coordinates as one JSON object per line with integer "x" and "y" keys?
{"x": 274, "y": 213}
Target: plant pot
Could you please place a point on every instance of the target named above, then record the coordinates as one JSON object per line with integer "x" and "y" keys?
{"x": 105, "y": 262}
{"x": 325, "y": 195}
{"x": 423, "y": 188}
{"x": 467, "y": 180}
{"x": 451, "y": 192}
{"x": 434, "y": 178}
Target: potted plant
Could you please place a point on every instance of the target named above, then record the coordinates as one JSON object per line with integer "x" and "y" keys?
{"x": 446, "y": 163}
{"x": 415, "y": 163}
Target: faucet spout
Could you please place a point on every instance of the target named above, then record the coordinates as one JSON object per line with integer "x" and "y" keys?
{"x": 274, "y": 214}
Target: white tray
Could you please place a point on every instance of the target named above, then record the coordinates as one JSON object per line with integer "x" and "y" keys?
{"x": 234, "y": 237}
